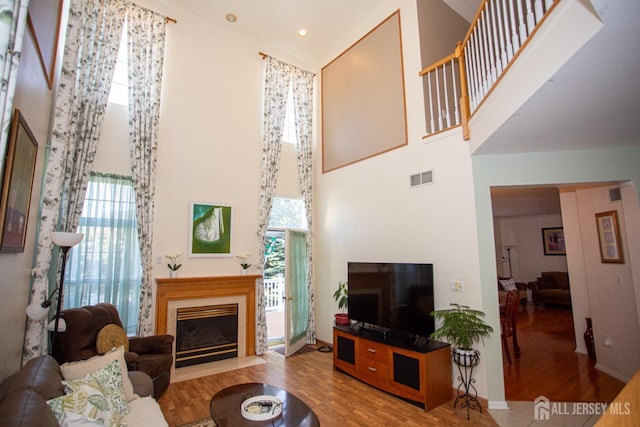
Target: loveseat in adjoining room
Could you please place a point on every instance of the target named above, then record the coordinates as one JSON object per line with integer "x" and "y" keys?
{"x": 28, "y": 397}
{"x": 552, "y": 287}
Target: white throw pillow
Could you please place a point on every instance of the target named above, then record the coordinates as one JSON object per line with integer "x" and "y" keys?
{"x": 87, "y": 400}
{"x": 508, "y": 285}
{"x": 109, "y": 379}
{"x": 76, "y": 370}
{"x": 145, "y": 412}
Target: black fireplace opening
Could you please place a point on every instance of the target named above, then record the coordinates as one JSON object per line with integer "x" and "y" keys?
{"x": 206, "y": 334}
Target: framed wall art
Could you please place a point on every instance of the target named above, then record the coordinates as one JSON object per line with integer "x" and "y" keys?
{"x": 16, "y": 185}
{"x": 553, "y": 241}
{"x": 609, "y": 237}
{"x": 210, "y": 230}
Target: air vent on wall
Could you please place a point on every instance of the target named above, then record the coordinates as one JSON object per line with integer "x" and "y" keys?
{"x": 614, "y": 194}
{"x": 422, "y": 178}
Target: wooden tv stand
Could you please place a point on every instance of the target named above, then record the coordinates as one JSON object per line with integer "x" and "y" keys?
{"x": 421, "y": 374}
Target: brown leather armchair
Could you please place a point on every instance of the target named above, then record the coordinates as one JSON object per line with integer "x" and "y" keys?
{"x": 152, "y": 355}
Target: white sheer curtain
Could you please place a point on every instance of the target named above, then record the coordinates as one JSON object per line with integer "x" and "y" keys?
{"x": 146, "y": 40}
{"x": 105, "y": 265}
{"x": 91, "y": 49}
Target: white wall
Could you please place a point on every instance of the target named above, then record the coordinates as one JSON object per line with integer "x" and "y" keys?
{"x": 527, "y": 256}
{"x": 610, "y": 289}
{"x": 210, "y": 144}
{"x": 367, "y": 211}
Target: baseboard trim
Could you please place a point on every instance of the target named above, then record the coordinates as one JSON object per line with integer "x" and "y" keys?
{"x": 613, "y": 373}
{"x": 498, "y": 404}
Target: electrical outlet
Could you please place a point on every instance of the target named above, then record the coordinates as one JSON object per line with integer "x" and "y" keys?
{"x": 456, "y": 286}
{"x": 159, "y": 259}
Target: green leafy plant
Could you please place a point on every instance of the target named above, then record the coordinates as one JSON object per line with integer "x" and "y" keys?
{"x": 341, "y": 295}
{"x": 461, "y": 326}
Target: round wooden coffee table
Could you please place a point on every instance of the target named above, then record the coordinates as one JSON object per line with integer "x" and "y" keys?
{"x": 225, "y": 407}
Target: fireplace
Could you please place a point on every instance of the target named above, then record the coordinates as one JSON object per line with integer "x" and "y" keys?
{"x": 206, "y": 334}
{"x": 195, "y": 294}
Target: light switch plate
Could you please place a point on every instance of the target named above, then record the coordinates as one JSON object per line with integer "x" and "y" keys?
{"x": 456, "y": 286}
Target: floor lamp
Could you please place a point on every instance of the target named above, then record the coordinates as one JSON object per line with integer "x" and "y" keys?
{"x": 508, "y": 248}
{"x": 38, "y": 311}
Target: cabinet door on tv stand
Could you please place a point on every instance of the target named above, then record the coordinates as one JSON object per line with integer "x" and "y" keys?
{"x": 407, "y": 372}
{"x": 344, "y": 351}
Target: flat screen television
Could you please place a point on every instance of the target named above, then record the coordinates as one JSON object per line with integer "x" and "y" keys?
{"x": 392, "y": 297}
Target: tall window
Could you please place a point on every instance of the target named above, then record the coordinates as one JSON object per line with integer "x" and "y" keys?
{"x": 120, "y": 84}
{"x": 288, "y": 213}
{"x": 106, "y": 266}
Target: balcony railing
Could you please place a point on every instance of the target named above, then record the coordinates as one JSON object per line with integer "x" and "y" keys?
{"x": 274, "y": 293}
{"x": 457, "y": 85}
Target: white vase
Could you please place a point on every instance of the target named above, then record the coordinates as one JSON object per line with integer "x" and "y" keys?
{"x": 173, "y": 274}
{"x": 243, "y": 272}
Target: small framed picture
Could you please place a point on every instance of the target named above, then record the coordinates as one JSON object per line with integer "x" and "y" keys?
{"x": 210, "y": 230}
{"x": 609, "y": 237}
{"x": 553, "y": 241}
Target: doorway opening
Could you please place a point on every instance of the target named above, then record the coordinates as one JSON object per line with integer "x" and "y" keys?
{"x": 285, "y": 273}
{"x": 274, "y": 285}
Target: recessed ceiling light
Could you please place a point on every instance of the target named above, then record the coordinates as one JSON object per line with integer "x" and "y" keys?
{"x": 230, "y": 17}
{"x": 302, "y": 33}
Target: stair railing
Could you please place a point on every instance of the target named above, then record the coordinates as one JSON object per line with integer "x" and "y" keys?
{"x": 457, "y": 85}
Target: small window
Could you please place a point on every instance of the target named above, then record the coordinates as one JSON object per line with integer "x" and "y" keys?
{"x": 120, "y": 84}
{"x": 288, "y": 213}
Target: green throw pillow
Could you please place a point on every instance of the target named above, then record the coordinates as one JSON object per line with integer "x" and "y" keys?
{"x": 89, "y": 401}
{"x": 109, "y": 379}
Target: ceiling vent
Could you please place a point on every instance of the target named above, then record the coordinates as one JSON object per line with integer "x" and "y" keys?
{"x": 422, "y": 178}
{"x": 614, "y": 194}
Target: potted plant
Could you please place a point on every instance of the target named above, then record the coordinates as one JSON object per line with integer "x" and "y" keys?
{"x": 462, "y": 327}
{"x": 244, "y": 264}
{"x": 173, "y": 263}
{"x": 341, "y": 296}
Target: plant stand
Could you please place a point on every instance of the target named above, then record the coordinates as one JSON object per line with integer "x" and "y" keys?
{"x": 467, "y": 393}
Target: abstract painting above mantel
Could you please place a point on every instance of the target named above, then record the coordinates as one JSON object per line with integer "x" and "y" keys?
{"x": 210, "y": 230}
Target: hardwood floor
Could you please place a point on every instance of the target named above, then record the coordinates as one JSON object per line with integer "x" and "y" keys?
{"x": 336, "y": 398}
{"x": 548, "y": 364}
